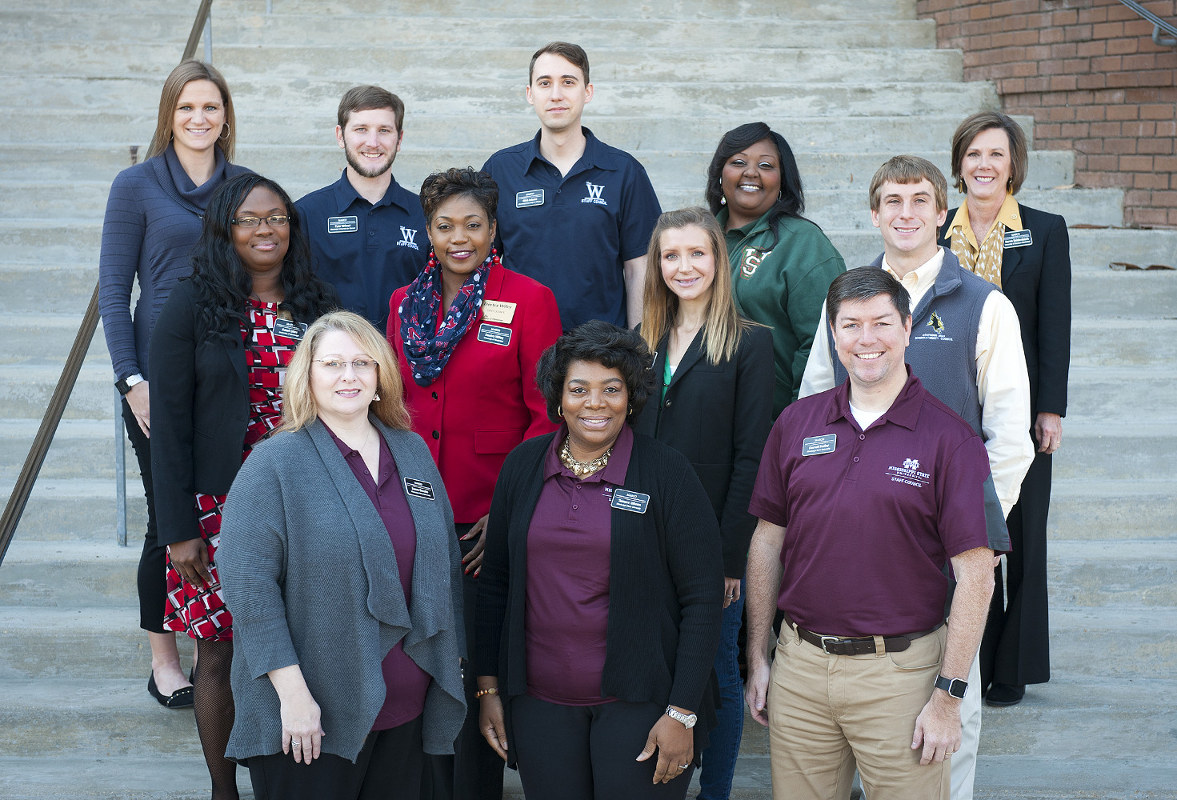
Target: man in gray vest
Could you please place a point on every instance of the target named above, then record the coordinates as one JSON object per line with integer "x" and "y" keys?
{"x": 965, "y": 347}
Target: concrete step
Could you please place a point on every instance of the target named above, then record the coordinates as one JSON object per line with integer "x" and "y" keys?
{"x": 1099, "y": 342}
{"x": 81, "y": 448}
{"x": 1102, "y": 510}
{"x": 37, "y": 339}
{"x": 1105, "y": 393}
{"x": 1117, "y": 449}
{"x": 80, "y": 509}
{"x": 417, "y": 67}
{"x": 27, "y": 285}
{"x": 320, "y": 30}
{"x": 25, "y": 391}
{"x": 1136, "y": 298}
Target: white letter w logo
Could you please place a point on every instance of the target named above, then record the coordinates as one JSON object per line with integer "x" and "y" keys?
{"x": 594, "y": 191}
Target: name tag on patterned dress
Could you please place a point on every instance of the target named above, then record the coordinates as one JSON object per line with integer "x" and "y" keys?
{"x": 289, "y": 329}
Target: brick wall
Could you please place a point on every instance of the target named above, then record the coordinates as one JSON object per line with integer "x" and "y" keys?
{"x": 1094, "y": 81}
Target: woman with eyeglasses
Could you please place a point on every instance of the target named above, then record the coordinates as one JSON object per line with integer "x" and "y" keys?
{"x": 468, "y": 334}
{"x": 220, "y": 351}
{"x": 152, "y": 221}
{"x": 341, "y": 566}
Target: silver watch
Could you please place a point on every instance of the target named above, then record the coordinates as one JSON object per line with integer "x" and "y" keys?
{"x": 688, "y": 720}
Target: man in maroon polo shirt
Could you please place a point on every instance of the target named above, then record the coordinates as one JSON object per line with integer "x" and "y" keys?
{"x": 864, "y": 492}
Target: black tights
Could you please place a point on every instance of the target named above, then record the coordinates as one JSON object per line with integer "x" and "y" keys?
{"x": 213, "y": 703}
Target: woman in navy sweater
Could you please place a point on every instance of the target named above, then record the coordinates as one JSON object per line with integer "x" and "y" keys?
{"x": 152, "y": 222}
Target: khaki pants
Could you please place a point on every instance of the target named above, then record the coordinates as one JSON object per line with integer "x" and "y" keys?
{"x": 828, "y": 712}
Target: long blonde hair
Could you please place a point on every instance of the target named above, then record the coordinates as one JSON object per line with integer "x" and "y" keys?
{"x": 184, "y": 73}
{"x": 298, "y": 401}
{"x": 723, "y": 325}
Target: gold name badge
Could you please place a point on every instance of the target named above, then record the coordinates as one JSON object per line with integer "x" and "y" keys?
{"x": 498, "y": 311}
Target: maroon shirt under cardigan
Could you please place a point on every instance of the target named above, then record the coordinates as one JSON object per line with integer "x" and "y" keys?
{"x": 405, "y": 682}
{"x": 568, "y": 546}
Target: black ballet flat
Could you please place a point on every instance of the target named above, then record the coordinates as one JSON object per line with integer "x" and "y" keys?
{"x": 181, "y": 698}
{"x": 1001, "y": 695}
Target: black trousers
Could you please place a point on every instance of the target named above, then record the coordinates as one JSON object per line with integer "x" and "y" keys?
{"x": 588, "y": 752}
{"x": 474, "y": 771}
{"x": 151, "y": 579}
{"x": 387, "y": 768}
{"x": 1016, "y": 645}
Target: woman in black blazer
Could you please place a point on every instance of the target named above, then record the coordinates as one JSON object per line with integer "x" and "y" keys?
{"x": 714, "y": 406}
{"x": 1025, "y": 252}
{"x": 220, "y": 350}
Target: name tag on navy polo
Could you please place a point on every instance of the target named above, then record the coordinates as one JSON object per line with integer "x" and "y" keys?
{"x": 630, "y": 501}
{"x": 343, "y": 224}
{"x": 494, "y": 334}
{"x": 1017, "y": 239}
{"x": 818, "y": 445}
{"x": 529, "y": 198}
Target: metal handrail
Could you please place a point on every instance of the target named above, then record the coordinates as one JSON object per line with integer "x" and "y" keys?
{"x": 1158, "y": 24}
{"x": 15, "y": 507}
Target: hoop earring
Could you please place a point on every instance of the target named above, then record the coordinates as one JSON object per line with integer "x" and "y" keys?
{"x": 560, "y": 410}
{"x": 224, "y": 133}
{"x": 629, "y": 413}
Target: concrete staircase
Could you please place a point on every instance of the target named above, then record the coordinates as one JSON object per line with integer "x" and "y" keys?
{"x": 849, "y": 83}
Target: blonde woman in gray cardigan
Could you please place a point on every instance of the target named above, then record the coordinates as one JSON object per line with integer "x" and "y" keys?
{"x": 340, "y": 565}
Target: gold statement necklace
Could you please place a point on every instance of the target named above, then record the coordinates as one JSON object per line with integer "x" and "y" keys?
{"x": 582, "y": 469}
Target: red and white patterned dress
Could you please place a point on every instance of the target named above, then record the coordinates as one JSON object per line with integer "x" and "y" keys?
{"x": 200, "y": 611}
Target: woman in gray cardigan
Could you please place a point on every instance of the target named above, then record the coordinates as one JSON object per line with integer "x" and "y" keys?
{"x": 340, "y": 565}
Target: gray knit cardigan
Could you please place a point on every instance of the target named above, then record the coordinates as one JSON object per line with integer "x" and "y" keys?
{"x": 311, "y": 578}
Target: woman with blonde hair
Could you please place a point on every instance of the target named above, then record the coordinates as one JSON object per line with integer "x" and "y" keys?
{"x": 338, "y": 538}
{"x": 152, "y": 222}
{"x": 715, "y": 370}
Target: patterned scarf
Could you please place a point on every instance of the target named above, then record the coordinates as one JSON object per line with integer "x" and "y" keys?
{"x": 984, "y": 259}
{"x": 427, "y": 349}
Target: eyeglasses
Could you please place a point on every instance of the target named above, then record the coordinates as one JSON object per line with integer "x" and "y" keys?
{"x": 274, "y": 220}
{"x": 336, "y": 366}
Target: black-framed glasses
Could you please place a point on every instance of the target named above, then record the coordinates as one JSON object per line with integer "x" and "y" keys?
{"x": 274, "y": 221}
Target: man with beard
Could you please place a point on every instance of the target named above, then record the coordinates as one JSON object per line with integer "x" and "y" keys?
{"x": 367, "y": 232}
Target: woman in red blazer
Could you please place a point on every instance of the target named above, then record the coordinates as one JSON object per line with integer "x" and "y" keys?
{"x": 467, "y": 334}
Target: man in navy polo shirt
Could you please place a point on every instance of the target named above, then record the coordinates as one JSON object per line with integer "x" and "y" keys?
{"x": 864, "y": 492}
{"x": 574, "y": 213}
{"x": 367, "y": 231}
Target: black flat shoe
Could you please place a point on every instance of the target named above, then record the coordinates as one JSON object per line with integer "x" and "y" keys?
{"x": 181, "y": 698}
{"x": 1004, "y": 694}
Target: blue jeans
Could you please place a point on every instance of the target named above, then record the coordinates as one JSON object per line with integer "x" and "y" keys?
{"x": 719, "y": 759}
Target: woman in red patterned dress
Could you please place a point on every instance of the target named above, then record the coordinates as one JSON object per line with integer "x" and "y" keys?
{"x": 221, "y": 347}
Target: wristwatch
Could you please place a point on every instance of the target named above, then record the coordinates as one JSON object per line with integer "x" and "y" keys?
{"x": 688, "y": 720}
{"x": 955, "y": 686}
{"x": 124, "y": 384}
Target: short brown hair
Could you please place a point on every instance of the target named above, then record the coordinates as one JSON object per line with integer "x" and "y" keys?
{"x": 909, "y": 169}
{"x": 184, "y": 73}
{"x": 972, "y": 127}
{"x": 573, "y": 52}
{"x": 366, "y": 98}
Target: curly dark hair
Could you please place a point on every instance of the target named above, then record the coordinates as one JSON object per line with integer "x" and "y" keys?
{"x": 441, "y": 186}
{"x": 792, "y": 200}
{"x": 222, "y": 285}
{"x": 601, "y": 343}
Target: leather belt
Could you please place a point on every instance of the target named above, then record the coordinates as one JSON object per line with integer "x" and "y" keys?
{"x": 856, "y": 646}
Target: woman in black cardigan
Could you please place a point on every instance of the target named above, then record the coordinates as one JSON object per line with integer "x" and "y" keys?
{"x": 715, "y": 407}
{"x": 219, "y": 354}
{"x": 601, "y": 590}
{"x": 1026, "y": 253}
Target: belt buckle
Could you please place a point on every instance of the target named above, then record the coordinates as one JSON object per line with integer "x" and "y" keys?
{"x": 825, "y": 640}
